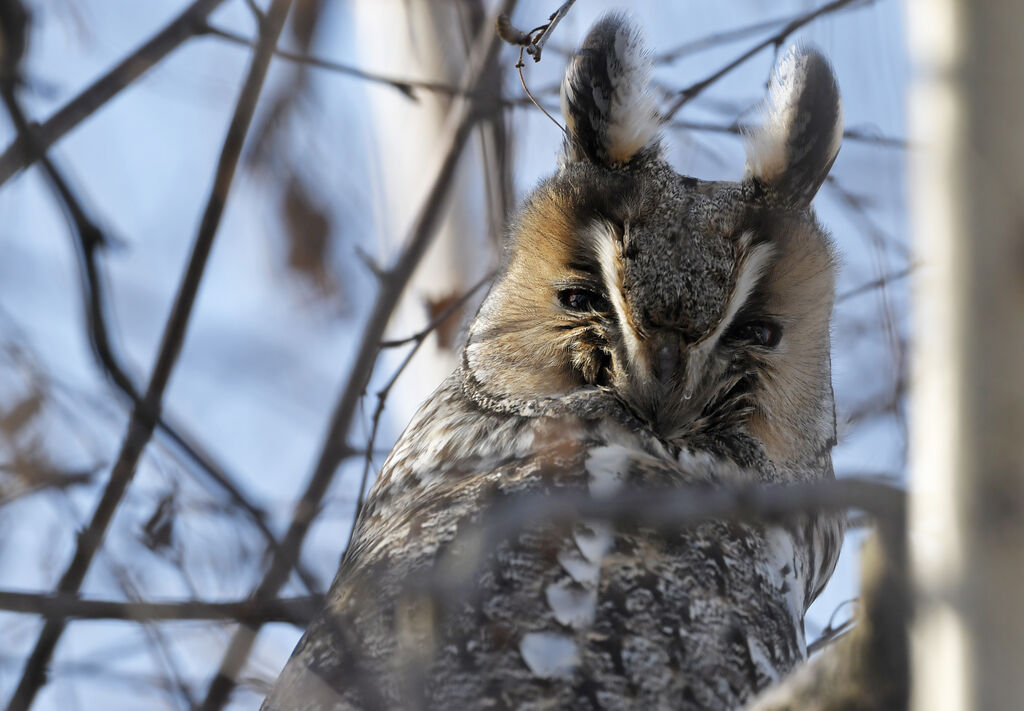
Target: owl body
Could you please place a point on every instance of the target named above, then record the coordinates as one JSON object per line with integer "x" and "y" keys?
{"x": 649, "y": 332}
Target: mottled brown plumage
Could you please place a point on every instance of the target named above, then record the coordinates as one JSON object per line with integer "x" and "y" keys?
{"x": 649, "y": 330}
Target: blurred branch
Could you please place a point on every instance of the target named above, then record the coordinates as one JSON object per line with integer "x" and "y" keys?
{"x": 296, "y": 610}
{"x": 856, "y": 207}
{"x": 417, "y": 339}
{"x": 393, "y": 280}
{"x": 452, "y": 581}
{"x": 854, "y": 134}
{"x": 256, "y": 11}
{"x": 89, "y": 239}
{"x": 671, "y": 509}
{"x": 533, "y": 41}
{"x": 44, "y": 478}
{"x": 421, "y": 335}
{"x": 145, "y": 414}
{"x": 495, "y": 135}
{"x": 867, "y": 667}
{"x": 832, "y": 632}
{"x": 692, "y": 91}
{"x": 717, "y": 38}
{"x": 19, "y": 155}
{"x": 878, "y": 283}
{"x": 407, "y": 87}
{"x": 740, "y": 129}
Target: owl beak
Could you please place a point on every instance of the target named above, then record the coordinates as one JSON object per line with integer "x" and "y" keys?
{"x": 666, "y": 356}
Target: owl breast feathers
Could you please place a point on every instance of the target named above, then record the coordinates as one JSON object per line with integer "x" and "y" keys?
{"x": 649, "y": 331}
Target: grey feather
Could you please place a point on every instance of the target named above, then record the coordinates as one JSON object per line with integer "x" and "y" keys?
{"x": 649, "y": 331}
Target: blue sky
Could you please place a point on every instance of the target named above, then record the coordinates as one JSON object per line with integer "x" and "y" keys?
{"x": 264, "y": 360}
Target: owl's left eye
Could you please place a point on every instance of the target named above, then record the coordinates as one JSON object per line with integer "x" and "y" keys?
{"x": 580, "y": 299}
{"x": 764, "y": 333}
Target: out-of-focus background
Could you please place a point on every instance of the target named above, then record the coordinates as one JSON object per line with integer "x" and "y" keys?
{"x": 335, "y": 168}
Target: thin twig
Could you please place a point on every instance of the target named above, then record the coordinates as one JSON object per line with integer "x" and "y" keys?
{"x": 532, "y": 43}
{"x": 830, "y": 636}
{"x": 876, "y": 283}
{"x": 185, "y": 26}
{"x": 417, "y": 339}
{"x": 48, "y": 479}
{"x": 461, "y": 122}
{"x": 536, "y": 46}
{"x": 407, "y": 87}
{"x": 89, "y": 239}
{"x": 671, "y": 510}
{"x": 531, "y": 97}
{"x": 717, "y": 38}
{"x": 144, "y": 416}
{"x": 422, "y": 334}
{"x": 855, "y": 206}
{"x": 741, "y": 129}
{"x": 257, "y": 12}
{"x": 688, "y": 94}
{"x": 296, "y": 610}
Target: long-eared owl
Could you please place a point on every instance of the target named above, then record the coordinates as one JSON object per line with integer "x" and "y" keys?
{"x": 649, "y": 331}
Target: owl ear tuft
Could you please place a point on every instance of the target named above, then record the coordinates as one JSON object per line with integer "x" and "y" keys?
{"x": 795, "y": 147}
{"x": 610, "y": 115}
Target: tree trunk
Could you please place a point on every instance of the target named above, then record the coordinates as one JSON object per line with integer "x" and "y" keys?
{"x": 429, "y": 41}
{"x": 967, "y": 525}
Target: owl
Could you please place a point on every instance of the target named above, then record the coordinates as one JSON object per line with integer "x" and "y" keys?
{"x": 649, "y": 331}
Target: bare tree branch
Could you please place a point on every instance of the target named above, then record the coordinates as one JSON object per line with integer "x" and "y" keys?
{"x": 670, "y": 510}
{"x": 144, "y": 416}
{"x": 535, "y": 47}
{"x": 297, "y": 610}
{"x": 740, "y": 129}
{"x": 716, "y": 38}
{"x": 392, "y": 284}
{"x": 445, "y": 314}
{"x": 830, "y": 635}
{"x": 185, "y": 26}
{"x": 875, "y": 284}
{"x": 417, "y": 340}
{"x": 89, "y": 239}
{"x": 406, "y": 87}
{"x": 868, "y": 667}
{"x": 688, "y": 94}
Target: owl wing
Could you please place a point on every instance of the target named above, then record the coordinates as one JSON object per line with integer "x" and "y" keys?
{"x": 429, "y": 610}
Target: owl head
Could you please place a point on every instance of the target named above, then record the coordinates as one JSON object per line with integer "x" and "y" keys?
{"x": 702, "y": 307}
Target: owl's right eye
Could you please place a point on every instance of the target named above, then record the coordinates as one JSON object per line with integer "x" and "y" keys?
{"x": 765, "y": 333}
{"x": 580, "y": 299}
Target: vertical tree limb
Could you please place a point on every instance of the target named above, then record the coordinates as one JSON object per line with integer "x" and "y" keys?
{"x": 89, "y": 240}
{"x": 393, "y": 280}
{"x": 967, "y": 512}
{"x": 190, "y": 22}
{"x": 146, "y": 413}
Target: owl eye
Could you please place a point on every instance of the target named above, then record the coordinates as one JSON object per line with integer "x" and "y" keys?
{"x": 765, "y": 333}
{"x": 579, "y": 299}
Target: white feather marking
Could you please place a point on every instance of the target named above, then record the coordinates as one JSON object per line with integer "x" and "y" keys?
{"x": 572, "y": 604}
{"x": 760, "y": 658}
{"x": 767, "y": 145}
{"x": 633, "y": 116}
{"x": 567, "y": 95}
{"x": 579, "y": 568}
{"x": 594, "y": 539}
{"x": 548, "y": 654}
{"x": 700, "y": 465}
{"x": 751, "y": 269}
{"x": 604, "y": 238}
{"x": 782, "y": 568}
{"x": 606, "y": 466}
